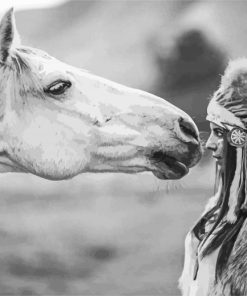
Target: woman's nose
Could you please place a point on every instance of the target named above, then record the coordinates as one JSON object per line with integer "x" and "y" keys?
{"x": 211, "y": 145}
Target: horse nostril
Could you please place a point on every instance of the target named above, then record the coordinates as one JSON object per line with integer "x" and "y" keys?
{"x": 188, "y": 128}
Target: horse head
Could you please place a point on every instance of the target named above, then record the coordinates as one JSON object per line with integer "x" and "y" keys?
{"x": 57, "y": 121}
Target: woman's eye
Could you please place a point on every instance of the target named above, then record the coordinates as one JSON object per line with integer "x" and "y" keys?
{"x": 218, "y": 133}
{"x": 58, "y": 87}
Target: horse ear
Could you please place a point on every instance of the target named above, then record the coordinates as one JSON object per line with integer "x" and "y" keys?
{"x": 9, "y": 36}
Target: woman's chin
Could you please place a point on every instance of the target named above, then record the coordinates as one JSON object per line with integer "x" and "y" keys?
{"x": 219, "y": 163}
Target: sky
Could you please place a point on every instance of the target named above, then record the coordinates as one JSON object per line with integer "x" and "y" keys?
{"x": 27, "y": 4}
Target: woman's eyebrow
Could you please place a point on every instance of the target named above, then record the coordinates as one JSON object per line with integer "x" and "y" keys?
{"x": 218, "y": 129}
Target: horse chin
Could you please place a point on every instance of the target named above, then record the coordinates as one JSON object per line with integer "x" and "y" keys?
{"x": 7, "y": 168}
{"x": 7, "y": 165}
{"x": 168, "y": 175}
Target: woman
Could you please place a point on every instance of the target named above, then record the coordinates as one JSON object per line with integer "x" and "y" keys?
{"x": 216, "y": 247}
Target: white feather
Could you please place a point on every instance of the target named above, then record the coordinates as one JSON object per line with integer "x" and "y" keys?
{"x": 233, "y": 197}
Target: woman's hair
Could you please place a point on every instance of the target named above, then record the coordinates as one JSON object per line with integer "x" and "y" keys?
{"x": 221, "y": 234}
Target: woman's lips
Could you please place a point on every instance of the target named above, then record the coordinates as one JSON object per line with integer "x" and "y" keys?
{"x": 217, "y": 156}
{"x": 218, "y": 159}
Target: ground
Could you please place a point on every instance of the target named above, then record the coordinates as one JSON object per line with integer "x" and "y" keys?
{"x": 97, "y": 234}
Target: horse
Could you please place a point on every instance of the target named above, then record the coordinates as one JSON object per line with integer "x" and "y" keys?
{"x": 58, "y": 121}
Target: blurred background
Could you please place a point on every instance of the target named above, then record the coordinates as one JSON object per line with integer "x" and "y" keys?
{"x": 116, "y": 234}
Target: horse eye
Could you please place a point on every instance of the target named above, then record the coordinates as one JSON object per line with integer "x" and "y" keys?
{"x": 58, "y": 87}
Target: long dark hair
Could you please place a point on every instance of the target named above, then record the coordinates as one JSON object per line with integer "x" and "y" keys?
{"x": 222, "y": 234}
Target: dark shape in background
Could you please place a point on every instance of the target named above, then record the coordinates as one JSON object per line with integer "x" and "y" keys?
{"x": 190, "y": 60}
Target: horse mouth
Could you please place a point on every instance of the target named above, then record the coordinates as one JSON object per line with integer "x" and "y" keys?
{"x": 7, "y": 164}
{"x": 167, "y": 167}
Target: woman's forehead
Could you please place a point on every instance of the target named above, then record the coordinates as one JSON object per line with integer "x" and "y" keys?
{"x": 214, "y": 125}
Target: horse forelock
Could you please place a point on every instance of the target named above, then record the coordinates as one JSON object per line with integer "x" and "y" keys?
{"x": 24, "y": 75}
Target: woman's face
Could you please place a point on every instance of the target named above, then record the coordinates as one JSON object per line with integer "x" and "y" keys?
{"x": 215, "y": 143}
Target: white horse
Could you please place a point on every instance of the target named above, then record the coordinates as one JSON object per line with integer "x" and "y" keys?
{"x": 58, "y": 121}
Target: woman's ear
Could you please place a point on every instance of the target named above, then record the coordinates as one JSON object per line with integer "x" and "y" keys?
{"x": 9, "y": 37}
